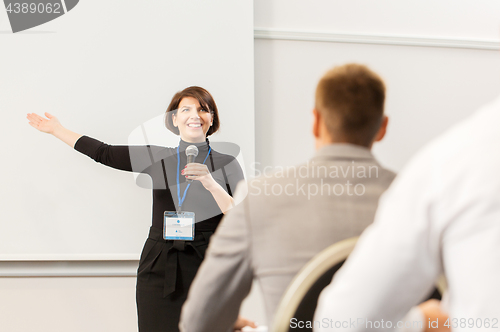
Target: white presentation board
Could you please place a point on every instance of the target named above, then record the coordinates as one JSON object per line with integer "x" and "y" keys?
{"x": 104, "y": 68}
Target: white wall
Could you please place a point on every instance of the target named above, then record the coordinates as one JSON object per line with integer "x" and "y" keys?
{"x": 445, "y": 18}
{"x": 68, "y": 304}
{"x": 440, "y": 61}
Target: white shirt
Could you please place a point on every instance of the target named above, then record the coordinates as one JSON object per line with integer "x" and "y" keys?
{"x": 440, "y": 215}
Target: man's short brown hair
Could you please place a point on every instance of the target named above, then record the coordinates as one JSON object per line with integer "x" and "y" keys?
{"x": 350, "y": 98}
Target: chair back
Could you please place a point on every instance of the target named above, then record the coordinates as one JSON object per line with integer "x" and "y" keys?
{"x": 301, "y": 297}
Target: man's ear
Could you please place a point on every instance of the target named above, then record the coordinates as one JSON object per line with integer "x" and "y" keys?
{"x": 382, "y": 130}
{"x": 316, "y": 123}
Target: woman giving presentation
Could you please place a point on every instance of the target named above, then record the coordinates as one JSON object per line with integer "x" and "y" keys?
{"x": 189, "y": 199}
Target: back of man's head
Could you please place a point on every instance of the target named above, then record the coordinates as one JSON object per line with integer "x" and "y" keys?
{"x": 350, "y": 100}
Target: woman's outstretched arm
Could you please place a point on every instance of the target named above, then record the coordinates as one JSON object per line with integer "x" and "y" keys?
{"x": 115, "y": 156}
{"x": 51, "y": 125}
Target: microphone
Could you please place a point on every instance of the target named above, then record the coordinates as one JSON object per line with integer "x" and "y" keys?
{"x": 191, "y": 153}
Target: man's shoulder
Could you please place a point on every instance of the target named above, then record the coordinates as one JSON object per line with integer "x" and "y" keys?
{"x": 387, "y": 174}
{"x": 323, "y": 169}
{"x": 279, "y": 174}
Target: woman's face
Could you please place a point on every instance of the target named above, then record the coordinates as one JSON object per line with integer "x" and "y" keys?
{"x": 192, "y": 120}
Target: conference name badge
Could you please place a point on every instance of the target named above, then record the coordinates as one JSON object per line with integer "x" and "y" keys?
{"x": 178, "y": 225}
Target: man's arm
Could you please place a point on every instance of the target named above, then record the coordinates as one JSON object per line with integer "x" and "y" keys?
{"x": 224, "y": 278}
{"x": 395, "y": 263}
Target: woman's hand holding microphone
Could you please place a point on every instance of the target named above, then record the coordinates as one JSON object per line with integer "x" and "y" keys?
{"x": 199, "y": 172}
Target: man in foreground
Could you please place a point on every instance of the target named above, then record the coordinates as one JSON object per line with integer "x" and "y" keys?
{"x": 442, "y": 215}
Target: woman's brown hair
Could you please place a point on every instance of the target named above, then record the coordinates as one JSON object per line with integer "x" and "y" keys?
{"x": 204, "y": 98}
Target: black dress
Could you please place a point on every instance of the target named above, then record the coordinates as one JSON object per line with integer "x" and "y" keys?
{"x": 167, "y": 268}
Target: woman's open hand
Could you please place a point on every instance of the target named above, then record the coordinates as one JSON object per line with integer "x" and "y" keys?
{"x": 199, "y": 172}
{"x": 51, "y": 125}
{"x": 47, "y": 125}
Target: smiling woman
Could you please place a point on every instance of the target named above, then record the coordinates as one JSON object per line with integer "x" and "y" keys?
{"x": 170, "y": 258}
{"x": 187, "y": 100}
{"x": 193, "y": 119}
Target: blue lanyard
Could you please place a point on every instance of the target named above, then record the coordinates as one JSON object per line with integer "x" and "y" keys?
{"x": 181, "y": 200}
